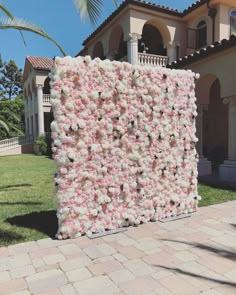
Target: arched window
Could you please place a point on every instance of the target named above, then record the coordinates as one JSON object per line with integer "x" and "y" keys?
{"x": 233, "y": 22}
{"x": 201, "y": 34}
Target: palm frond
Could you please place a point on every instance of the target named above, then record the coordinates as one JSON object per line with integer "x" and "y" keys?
{"x": 17, "y": 118}
{"x": 13, "y": 127}
{"x": 6, "y": 11}
{"x": 89, "y": 8}
{"x": 4, "y": 125}
{"x": 20, "y": 24}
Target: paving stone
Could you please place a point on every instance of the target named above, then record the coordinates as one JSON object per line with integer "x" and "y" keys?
{"x": 139, "y": 286}
{"x": 226, "y": 290}
{"x": 21, "y": 293}
{"x": 210, "y": 231}
{"x": 78, "y": 274}
{"x": 163, "y": 291}
{"x": 103, "y": 259}
{"x": 231, "y": 275}
{"x": 99, "y": 251}
{"x": 48, "y": 243}
{"x": 119, "y": 257}
{"x": 126, "y": 241}
{"x": 4, "y": 276}
{"x": 44, "y": 281}
{"x": 147, "y": 244}
{"x": 75, "y": 263}
{"x": 70, "y": 249}
{"x": 21, "y": 272}
{"x": 14, "y": 286}
{"x": 19, "y": 260}
{"x": 193, "y": 267}
{"x": 68, "y": 290}
{"x": 53, "y": 259}
{"x": 84, "y": 242}
{"x": 41, "y": 253}
{"x": 38, "y": 262}
{"x": 96, "y": 285}
{"x": 47, "y": 267}
{"x": 121, "y": 275}
{"x": 211, "y": 292}
{"x": 176, "y": 285}
{"x": 4, "y": 264}
{"x": 162, "y": 274}
{"x": 217, "y": 264}
{"x": 226, "y": 240}
{"x": 53, "y": 291}
{"x": 186, "y": 256}
{"x": 104, "y": 267}
{"x": 162, "y": 259}
{"x": 131, "y": 252}
{"x": 138, "y": 267}
{"x": 23, "y": 248}
{"x": 3, "y": 252}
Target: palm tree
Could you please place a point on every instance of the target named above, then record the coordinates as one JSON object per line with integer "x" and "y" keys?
{"x": 8, "y": 126}
{"x": 86, "y": 8}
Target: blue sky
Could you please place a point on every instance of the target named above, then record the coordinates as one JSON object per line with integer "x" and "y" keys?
{"x": 59, "y": 19}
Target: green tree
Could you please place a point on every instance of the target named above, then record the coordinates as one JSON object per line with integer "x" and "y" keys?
{"x": 11, "y": 117}
{"x": 11, "y": 79}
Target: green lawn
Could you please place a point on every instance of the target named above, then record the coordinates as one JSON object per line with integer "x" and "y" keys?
{"x": 27, "y": 205}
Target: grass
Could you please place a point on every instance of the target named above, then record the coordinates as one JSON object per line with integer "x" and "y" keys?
{"x": 27, "y": 204}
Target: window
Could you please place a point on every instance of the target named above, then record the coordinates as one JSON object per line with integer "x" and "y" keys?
{"x": 233, "y": 22}
{"x": 201, "y": 34}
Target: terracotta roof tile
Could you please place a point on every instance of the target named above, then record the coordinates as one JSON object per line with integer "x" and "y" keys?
{"x": 40, "y": 63}
{"x": 204, "y": 52}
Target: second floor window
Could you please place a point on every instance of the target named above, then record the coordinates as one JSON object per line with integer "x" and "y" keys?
{"x": 233, "y": 22}
{"x": 201, "y": 34}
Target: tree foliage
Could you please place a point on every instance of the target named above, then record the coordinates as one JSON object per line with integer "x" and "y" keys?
{"x": 11, "y": 117}
{"x": 11, "y": 79}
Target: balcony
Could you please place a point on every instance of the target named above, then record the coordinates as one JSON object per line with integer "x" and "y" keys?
{"x": 152, "y": 60}
{"x": 46, "y": 100}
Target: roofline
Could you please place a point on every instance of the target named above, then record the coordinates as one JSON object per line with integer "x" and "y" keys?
{"x": 123, "y": 5}
{"x": 204, "y": 53}
{"x": 140, "y": 3}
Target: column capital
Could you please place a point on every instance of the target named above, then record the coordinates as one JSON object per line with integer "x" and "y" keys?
{"x": 171, "y": 44}
{"x": 39, "y": 85}
{"x": 229, "y": 100}
{"x": 134, "y": 37}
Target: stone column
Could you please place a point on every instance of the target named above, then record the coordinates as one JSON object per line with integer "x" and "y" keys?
{"x": 171, "y": 51}
{"x": 40, "y": 109}
{"x": 204, "y": 166}
{"x": 228, "y": 169}
{"x": 132, "y": 49}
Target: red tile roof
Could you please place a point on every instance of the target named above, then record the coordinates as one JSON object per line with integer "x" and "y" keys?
{"x": 204, "y": 52}
{"x": 40, "y": 63}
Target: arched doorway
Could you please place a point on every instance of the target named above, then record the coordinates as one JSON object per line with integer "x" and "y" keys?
{"x": 98, "y": 51}
{"x": 151, "y": 41}
{"x": 215, "y": 127}
{"x": 117, "y": 44}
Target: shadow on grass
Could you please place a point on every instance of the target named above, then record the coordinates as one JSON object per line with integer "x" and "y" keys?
{"x": 8, "y": 236}
{"x": 180, "y": 271}
{"x": 44, "y": 221}
{"x": 13, "y": 186}
{"x": 219, "y": 251}
{"x": 217, "y": 184}
{"x": 21, "y": 203}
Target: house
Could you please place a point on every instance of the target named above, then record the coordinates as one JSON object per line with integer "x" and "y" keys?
{"x": 201, "y": 38}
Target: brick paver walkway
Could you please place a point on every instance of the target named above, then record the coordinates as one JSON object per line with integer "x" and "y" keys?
{"x": 196, "y": 255}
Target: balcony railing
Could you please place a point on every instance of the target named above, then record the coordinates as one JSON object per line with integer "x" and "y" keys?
{"x": 46, "y": 99}
{"x": 16, "y": 141}
{"x": 152, "y": 60}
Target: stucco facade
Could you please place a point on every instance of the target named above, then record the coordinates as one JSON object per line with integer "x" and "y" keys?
{"x": 148, "y": 34}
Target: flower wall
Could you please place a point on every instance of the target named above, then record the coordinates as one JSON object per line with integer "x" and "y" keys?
{"x": 124, "y": 144}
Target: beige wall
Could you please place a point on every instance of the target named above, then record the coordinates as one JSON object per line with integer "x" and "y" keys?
{"x": 222, "y": 65}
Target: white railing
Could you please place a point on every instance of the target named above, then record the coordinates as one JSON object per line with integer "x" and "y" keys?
{"x": 15, "y": 141}
{"x": 152, "y": 60}
{"x": 46, "y": 99}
